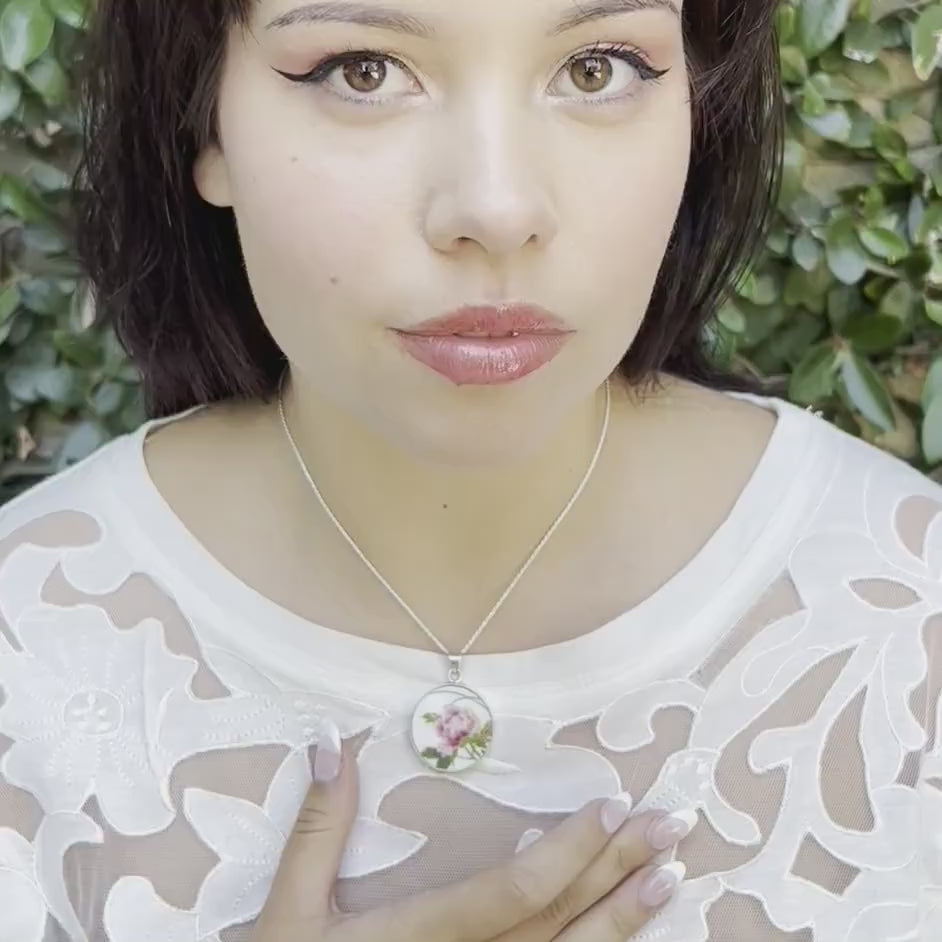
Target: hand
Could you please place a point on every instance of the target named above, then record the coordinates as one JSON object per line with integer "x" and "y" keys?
{"x": 588, "y": 880}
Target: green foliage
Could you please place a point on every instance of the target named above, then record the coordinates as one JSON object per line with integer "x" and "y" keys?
{"x": 66, "y": 386}
{"x": 843, "y": 312}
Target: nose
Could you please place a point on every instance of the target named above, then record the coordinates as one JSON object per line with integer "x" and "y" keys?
{"x": 490, "y": 188}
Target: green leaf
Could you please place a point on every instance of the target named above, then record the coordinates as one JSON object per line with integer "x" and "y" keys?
{"x": 19, "y": 200}
{"x": 59, "y": 384}
{"x": 889, "y": 143}
{"x": 927, "y": 41}
{"x": 25, "y": 31}
{"x": 862, "y": 127}
{"x": 11, "y": 93}
{"x": 930, "y": 225}
{"x": 794, "y": 65}
{"x": 874, "y": 334}
{"x": 732, "y": 318}
{"x": 884, "y": 243}
{"x": 833, "y": 87}
{"x": 778, "y": 241}
{"x": 47, "y": 177}
{"x": 71, "y": 12}
{"x": 932, "y": 389}
{"x": 20, "y": 382}
{"x": 813, "y": 378}
{"x": 807, "y": 209}
{"x": 84, "y": 438}
{"x": 932, "y": 432}
{"x": 807, "y": 251}
{"x": 761, "y": 290}
{"x": 43, "y": 296}
{"x": 914, "y": 217}
{"x": 934, "y": 311}
{"x": 868, "y": 76}
{"x": 899, "y": 302}
{"x": 820, "y": 22}
{"x": 49, "y": 79}
{"x": 843, "y": 301}
{"x": 833, "y": 124}
{"x": 866, "y": 391}
{"x": 83, "y": 350}
{"x": 813, "y": 103}
{"x": 863, "y": 41}
{"x": 786, "y": 20}
{"x": 845, "y": 255}
{"x": 9, "y": 302}
{"x": 431, "y": 754}
{"x": 794, "y": 159}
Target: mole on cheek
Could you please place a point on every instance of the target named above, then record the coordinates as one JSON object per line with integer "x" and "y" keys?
{"x": 334, "y": 280}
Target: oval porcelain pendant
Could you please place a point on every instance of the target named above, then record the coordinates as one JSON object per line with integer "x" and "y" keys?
{"x": 452, "y": 728}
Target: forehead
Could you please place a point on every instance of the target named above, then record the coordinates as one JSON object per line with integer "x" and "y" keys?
{"x": 426, "y": 18}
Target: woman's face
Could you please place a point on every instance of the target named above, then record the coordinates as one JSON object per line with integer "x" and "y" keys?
{"x": 445, "y": 154}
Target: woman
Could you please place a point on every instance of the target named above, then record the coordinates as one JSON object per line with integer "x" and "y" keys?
{"x": 439, "y": 468}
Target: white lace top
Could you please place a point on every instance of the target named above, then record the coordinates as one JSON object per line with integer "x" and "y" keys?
{"x": 157, "y": 715}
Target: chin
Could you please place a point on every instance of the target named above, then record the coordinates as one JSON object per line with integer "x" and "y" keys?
{"x": 473, "y": 426}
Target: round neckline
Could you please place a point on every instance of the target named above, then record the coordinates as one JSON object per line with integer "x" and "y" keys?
{"x": 698, "y": 603}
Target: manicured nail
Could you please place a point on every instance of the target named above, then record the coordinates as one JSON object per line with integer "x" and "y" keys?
{"x": 662, "y": 884}
{"x": 615, "y": 812}
{"x": 527, "y": 838}
{"x": 672, "y": 829}
{"x": 329, "y": 751}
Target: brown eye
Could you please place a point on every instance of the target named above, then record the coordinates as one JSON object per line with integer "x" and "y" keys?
{"x": 591, "y": 74}
{"x": 365, "y": 75}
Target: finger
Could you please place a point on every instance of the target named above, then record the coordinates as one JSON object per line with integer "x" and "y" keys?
{"x": 495, "y": 900}
{"x": 628, "y": 909}
{"x": 641, "y": 840}
{"x": 303, "y": 885}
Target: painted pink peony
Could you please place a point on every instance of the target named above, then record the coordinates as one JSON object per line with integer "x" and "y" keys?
{"x": 453, "y": 727}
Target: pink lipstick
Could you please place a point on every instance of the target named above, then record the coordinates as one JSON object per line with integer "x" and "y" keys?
{"x": 487, "y": 345}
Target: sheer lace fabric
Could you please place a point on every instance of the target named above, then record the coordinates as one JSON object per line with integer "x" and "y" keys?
{"x": 154, "y": 752}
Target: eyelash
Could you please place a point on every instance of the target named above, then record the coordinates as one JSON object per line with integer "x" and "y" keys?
{"x": 624, "y": 51}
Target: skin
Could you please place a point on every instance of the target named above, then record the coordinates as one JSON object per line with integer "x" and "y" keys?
{"x": 483, "y": 171}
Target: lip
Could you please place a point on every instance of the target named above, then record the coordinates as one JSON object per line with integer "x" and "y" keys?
{"x": 487, "y": 345}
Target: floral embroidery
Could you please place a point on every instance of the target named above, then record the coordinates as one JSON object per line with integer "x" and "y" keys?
{"x": 23, "y": 914}
{"x": 81, "y": 708}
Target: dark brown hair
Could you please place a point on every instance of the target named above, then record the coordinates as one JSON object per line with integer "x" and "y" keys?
{"x": 167, "y": 267}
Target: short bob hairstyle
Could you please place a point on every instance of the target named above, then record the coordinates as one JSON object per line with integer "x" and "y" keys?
{"x": 166, "y": 267}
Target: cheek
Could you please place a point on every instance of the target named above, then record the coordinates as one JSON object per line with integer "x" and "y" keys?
{"x": 627, "y": 206}
{"x": 301, "y": 219}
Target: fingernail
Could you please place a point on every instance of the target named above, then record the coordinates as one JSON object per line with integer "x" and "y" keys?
{"x": 615, "y": 812}
{"x": 672, "y": 829}
{"x": 662, "y": 884}
{"x": 527, "y": 838}
{"x": 329, "y": 750}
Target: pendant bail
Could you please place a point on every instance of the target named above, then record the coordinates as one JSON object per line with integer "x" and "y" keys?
{"x": 454, "y": 673}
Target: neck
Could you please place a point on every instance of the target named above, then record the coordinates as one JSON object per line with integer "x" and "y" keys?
{"x": 418, "y": 519}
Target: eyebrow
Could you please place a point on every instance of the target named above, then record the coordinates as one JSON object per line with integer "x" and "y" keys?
{"x": 601, "y": 9}
{"x": 348, "y": 11}
{"x": 379, "y": 17}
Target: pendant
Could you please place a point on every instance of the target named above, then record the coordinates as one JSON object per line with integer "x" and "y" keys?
{"x": 452, "y": 726}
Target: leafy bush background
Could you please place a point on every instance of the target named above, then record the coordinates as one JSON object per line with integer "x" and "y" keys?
{"x": 843, "y": 312}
